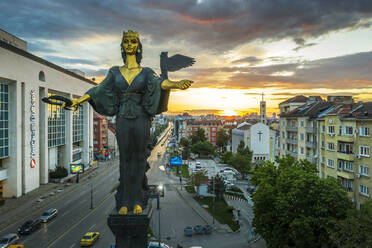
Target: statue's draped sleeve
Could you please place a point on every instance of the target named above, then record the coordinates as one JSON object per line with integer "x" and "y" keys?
{"x": 103, "y": 97}
{"x": 155, "y": 99}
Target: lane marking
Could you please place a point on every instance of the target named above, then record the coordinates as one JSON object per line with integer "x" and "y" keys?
{"x": 90, "y": 228}
{"x": 79, "y": 221}
{"x": 47, "y": 205}
{"x": 72, "y": 245}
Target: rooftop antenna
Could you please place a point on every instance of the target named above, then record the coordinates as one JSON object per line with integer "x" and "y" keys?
{"x": 262, "y": 96}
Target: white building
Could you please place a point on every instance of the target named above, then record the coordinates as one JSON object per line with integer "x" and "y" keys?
{"x": 260, "y": 139}
{"x": 36, "y": 137}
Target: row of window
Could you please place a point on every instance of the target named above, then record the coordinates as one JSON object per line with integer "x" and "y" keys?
{"x": 347, "y": 166}
{"x": 348, "y": 185}
{"x": 292, "y": 123}
{"x": 346, "y": 130}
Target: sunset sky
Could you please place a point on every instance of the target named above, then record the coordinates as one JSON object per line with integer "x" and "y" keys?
{"x": 242, "y": 48}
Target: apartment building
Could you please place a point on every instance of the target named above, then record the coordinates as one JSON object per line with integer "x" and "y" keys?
{"x": 344, "y": 148}
{"x": 210, "y": 127}
{"x": 100, "y": 134}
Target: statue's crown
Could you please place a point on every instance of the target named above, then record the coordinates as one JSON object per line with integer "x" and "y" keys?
{"x": 130, "y": 34}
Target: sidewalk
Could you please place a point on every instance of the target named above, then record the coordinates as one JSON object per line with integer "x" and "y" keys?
{"x": 16, "y": 209}
{"x": 204, "y": 214}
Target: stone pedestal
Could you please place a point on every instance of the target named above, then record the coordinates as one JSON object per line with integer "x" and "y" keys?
{"x": 130, "y": 230}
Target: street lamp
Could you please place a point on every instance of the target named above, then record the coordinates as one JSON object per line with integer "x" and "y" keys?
{"x": 161, "y": 188}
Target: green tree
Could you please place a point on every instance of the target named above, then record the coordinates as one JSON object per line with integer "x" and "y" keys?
{"x": 198, "y": 178}
{"x": 186, "y": 153}
{"x": 243, "y": 150}
{"x": 203, "y": 148}
{"x": 355, "y": 230}
{"x": 293, "y": 207}
{"x": 184, "y": 142}
{"x": 199, "y": 135}
{"x": 222, "y": 138}
{"x": 227, "y": 157}
{"x": 242, "y": 163}
{"x": 219, "y": 187}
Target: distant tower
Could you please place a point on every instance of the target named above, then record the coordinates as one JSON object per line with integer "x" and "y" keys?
{"x": 263, "y": 110}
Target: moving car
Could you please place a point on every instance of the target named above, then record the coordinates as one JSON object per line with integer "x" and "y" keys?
{"x": 9, "y": 239}
{"x": 156, "y": 245}
{"x": 207, "y": 229}
{"x": 48, "y": 215}
{"x": 29, "y": 226}
{"x": 89, "y": 238}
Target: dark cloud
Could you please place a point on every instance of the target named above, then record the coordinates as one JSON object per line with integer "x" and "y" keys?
{"x": 342, "y": 73}
{"x": 211, "y": 24}
{"x": 252, "y": 60}
{"x": 64, "y": 60}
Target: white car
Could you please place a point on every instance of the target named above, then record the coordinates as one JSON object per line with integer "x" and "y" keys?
{"x": 9, "y": 239}
{"x": 156, "y": 245}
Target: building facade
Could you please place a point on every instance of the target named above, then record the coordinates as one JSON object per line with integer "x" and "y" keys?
{"x": 36, "y": 137}
{"x": 100, "y": 134}
{"x": 210, "y": 127}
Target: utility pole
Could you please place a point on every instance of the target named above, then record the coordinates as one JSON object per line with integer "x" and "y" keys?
{"x": 159, "y": 224}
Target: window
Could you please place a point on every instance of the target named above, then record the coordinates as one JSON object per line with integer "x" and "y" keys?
{"x": 348, "y": 130}
{"x": 283, "y": 123}
{"x": 302, "y": 150}
{"x": 345, "y": 165}
{"x": 364, "y": 190}
{"x": 323, "y": 159}
{"x": 346, "y": 148}
{"x": 323, "y": 129}
{"x": 56, "y": 125}
{"x": 283, "y": 135}
{"x": 363, "y": 170}
{"x": 331, "y": 146}
{"x": 323, "y": 144}
{"x": 331, "y": 163}
{"x": 42, "y": 76}
{"x": 293, "y": 123}
{"x": 364, "y": 151}
{"x": 77, "y": 125}
{"x": 331, "y": 129}
{"x": 340, "y": 130}
{"x": 364, "y": 131}
{"x": 213, "y": 129}
{"x": 95, "y": 122}
{"x": 283, "y": 146}
{"x": 347, "y": 184}
{"x": 301, "y": 136}
{"x": 4, "y": 120}
{"x": 301, "y": 123}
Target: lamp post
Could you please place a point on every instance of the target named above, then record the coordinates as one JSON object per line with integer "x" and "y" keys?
{"x": 214, "y": 197}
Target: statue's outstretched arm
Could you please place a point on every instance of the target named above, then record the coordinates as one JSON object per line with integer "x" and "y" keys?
{"x": 76, "y": 102}
{"x": 182, "y": 85}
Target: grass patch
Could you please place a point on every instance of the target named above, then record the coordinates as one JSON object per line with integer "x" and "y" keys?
{"x": 190, "y": 189}
{"x": 149, "y": 231}
{"x": 185, "y": 171}
{"x": 223, "y": 212}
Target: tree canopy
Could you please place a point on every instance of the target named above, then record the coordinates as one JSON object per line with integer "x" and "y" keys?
{"x": 293, "y": 207}
{"x": 219, "y": 187}
{"x": 203, "y": 148}
{"x": 222, "y": 138}
{"x": 199, "y": 135}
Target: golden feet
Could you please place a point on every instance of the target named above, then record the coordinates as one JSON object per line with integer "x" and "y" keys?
{"x": 137, "y": 209}
{"x": 123, "y": 210}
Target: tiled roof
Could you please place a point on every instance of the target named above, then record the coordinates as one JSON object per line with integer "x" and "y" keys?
{"x": 311, "y": 110}
{"x": 361, "y": 111}
{"x": 299, "y": 98}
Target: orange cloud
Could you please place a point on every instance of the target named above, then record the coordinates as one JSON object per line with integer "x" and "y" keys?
{"x": 200, "y": 21}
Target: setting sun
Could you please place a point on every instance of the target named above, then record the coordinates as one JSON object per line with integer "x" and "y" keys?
{"x": 229, "y": 112}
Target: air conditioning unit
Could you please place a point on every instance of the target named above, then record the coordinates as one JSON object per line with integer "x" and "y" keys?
{"x": 359, "y": 156}
{"x": 357, "y": 175}
{"x": 332, "y": 135}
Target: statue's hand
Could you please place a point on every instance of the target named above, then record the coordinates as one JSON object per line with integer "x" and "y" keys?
{"x": 74, "y": 105}
{"x": 184, "y": 84}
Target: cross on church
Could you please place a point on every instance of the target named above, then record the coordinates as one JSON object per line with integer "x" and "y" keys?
{"x": 260, "y": 133}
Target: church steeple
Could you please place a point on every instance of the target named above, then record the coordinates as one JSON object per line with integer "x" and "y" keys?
{"x": 263, "y": 110}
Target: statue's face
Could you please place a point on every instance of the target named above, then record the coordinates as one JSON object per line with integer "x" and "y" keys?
{"x": 130, "y": 45}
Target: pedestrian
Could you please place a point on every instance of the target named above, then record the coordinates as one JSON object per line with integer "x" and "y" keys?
{"x": 180, "y": 180}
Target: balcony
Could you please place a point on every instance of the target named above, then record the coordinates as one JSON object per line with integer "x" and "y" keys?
{"x": 291, "y": 129}
{"x": 346, "y": 174}
{"x": 346, "y": 138}
{"x": 311, "y": 144}
{"x": 3, "y": 174}
{"x": 345, "y": 156}
{"x": 292, "y": 141}
{"x": 310, "y": 129}
{"x": 311, "y": 159}
{"x": 293, "y": 154}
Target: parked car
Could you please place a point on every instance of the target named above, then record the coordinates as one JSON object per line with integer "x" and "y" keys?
{"x": 9, "y": 239}
{"x": 156, "y": 245}
{"x": 188, "y": 231}
{"x": 198, "y": 229}
{"x": 48, "y": 215}
{"x": 29, "y": 226}
{"x": 89, "y": 238}
{"x": 207, "y": 229}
